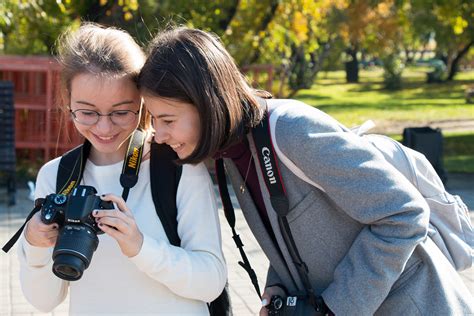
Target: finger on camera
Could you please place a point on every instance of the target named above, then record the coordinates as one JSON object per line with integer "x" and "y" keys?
{"x": 111, "y": 231}
{"x": 51, "y": 234}
{"x": 106, "y": 213}
{"x": 118, "y": 201}
{"x": 113, "y": 222}
{"x": 36, "y": 222}
{"x": 263, "y": 311}
{"x": 42, "y": 227}
{"x": 265, "y": 301}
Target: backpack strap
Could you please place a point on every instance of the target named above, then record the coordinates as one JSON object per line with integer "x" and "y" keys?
{"x": 164, "y": 180}
{"x": 72, "y": 164}
{"x": 230, "y": 217}
{"x": 71, "y": 168}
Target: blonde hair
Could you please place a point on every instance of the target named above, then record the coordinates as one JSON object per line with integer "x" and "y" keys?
{"x": 98, "y": 50}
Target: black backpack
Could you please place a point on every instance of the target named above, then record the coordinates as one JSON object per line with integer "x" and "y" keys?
{"x": 164, "y": 178}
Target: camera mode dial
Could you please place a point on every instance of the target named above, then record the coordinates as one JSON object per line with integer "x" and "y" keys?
{"x": 60, "y": 199}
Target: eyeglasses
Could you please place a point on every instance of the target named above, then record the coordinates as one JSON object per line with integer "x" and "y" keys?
{"x": 89, "y": 117}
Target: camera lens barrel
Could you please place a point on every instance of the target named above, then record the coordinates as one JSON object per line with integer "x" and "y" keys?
{"x": 73, "y": 251}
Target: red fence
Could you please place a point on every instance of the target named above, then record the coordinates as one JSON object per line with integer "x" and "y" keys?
{"x": 42, "y": 132}
{"x": 39, "y": 132}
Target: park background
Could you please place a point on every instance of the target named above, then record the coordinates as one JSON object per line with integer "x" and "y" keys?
{"x": 400, "y": 63}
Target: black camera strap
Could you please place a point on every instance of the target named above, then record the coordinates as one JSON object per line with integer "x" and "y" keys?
{"x": 230, "y": 216}
{"x": 76, "y": 158}
{"x": 69, "y": 177}
{"x": 12, "y": 241}
{"x": 132, "y": 161}
{"x": 270, "y": 171}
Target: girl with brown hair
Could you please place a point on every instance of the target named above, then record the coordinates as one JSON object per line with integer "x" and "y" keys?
{"x": 358, "y": 224}
{"x": 135, "y": 270}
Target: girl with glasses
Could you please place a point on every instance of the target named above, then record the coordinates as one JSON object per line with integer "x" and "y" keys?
{"x": 135, "y": 270}
{"x": 359, "y": 226}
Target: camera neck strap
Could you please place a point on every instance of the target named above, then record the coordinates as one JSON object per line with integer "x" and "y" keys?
{"x": 271, "y": 174}
{"x": 71, "y": 168}
{"x": 12, "y": 241}
{"x": 132, "y": 161}
{"x": 69, "y": 177}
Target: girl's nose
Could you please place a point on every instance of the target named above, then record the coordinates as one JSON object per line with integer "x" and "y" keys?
{"x": 160, "y": 136}
{"x": 104, "y": 123}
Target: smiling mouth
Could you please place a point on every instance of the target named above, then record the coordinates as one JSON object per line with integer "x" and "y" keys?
{"x": 105, "y": 138}
{"x": 176, "y": 146}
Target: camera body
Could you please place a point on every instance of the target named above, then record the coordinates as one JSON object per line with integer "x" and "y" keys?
{"x": 296, "y": 305}
{"x": 77, "y": 239}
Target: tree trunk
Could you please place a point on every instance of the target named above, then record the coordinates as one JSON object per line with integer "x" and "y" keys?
{"x": 352, "y": 66}
{"x": 262, "y": 27}
{"x": 454, "y": 67}
{"x": 224, "y": 23}
{"x": 317, "y": 58}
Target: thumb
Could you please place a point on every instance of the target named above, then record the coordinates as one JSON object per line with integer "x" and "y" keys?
{"x": 265, "y": 299}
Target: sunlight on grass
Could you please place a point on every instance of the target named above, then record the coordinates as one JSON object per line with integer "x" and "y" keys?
{"x": 459, "y": 163}
{"x": 417, "y": 104}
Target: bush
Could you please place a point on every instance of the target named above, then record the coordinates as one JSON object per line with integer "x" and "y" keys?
{"x": 393, "y": 69}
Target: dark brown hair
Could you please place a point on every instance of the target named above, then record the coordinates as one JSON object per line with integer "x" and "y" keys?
{"x": 101, "y": 51}
{"x": 193, "y": 66}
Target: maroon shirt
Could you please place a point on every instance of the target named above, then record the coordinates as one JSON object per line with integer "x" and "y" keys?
{"x": 241, "y": 156}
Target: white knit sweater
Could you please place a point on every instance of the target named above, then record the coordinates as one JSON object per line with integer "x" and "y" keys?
{"x": 161, "y": 279}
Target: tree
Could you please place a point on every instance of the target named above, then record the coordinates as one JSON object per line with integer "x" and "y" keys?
{"x": 385, "y": 38}
{"x": 354, "y": 22}
{"x": 452, "y": 22}
{"x": 297, "y": 41}
{"x": 32, "y": 27}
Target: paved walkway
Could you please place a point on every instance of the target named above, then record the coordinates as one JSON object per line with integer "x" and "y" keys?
{"x": 244, "y": 299}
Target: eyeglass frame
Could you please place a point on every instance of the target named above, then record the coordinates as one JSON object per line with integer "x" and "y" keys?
{"x": 98, "y": 115}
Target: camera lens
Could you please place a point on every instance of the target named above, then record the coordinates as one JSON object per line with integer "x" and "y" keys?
{"x": 73, "y": 251}
{"x": 68, "y": 267}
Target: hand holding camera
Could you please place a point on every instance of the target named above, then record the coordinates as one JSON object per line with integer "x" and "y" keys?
{"x": 39, "y": 234}
{"x": 77, "y": 236}
{"x": 120, "y": 225}
{"x": 71, "y": 224}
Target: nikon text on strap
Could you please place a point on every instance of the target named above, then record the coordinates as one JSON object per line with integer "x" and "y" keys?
{"x": 68, "y": 178}
{"x": 71, "y": 169}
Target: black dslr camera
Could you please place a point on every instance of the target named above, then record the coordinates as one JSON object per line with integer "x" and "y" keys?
{"x": 294, "y": 305}
{"x": 77, "y": 239}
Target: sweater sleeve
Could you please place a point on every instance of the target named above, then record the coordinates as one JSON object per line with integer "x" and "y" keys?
{"x": 197, "y": 269}
{"x": 369, "y": 190}
{"x": 40, "y": 286}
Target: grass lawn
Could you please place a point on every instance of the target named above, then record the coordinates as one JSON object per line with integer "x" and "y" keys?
{"x": 417, "y": 104}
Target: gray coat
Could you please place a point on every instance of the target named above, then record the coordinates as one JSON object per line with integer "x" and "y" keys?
{"x": 364, "y": 238}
